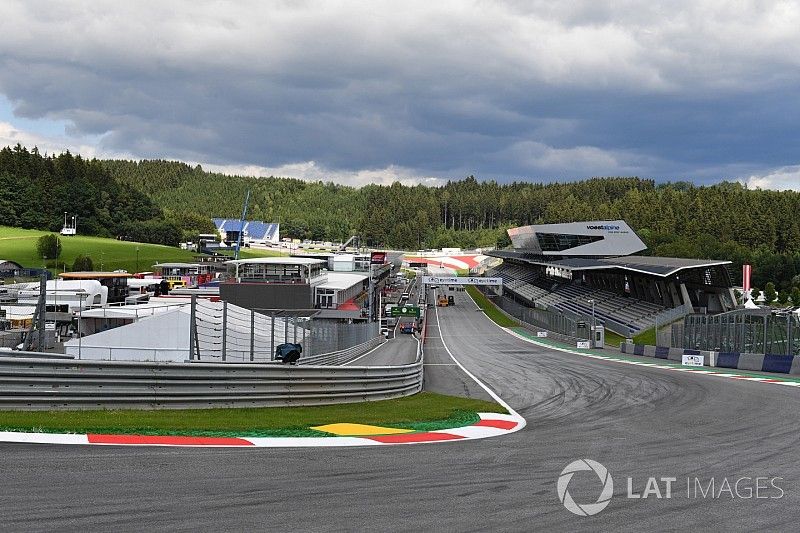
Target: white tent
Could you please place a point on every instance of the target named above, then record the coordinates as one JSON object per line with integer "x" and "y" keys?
{"x": 165, "y": 336}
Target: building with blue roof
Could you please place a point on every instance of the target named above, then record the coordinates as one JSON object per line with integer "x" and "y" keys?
{"x": 254, "y": 231}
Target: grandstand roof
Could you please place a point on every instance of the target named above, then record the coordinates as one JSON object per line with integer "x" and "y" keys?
{"x": 594, "y": 238}
{"x": 655, "y": 266}
{"x": 255, "y": 229}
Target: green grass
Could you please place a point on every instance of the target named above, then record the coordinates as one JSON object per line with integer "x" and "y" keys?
{"x": 424, "y": 411}
{"x": 648, "y": 337}
{"x": 19, "y": 245}
{"x": 613, "y": 339}
{"x": 489, "y": 308}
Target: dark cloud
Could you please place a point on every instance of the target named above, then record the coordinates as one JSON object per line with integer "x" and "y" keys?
{"x": 542, "y": 90}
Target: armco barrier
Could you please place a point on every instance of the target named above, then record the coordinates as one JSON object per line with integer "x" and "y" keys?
{"x": 344, "y": 356}
{"x": 38, "y": 383}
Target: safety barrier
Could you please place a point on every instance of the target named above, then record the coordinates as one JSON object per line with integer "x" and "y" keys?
{"x": 44, "y": 383}
{"x": 343, "y": 356}
{"x": 778, "y": 363}
{"x": 662, "y": 352}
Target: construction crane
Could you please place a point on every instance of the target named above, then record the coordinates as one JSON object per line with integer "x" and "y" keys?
{"x": 343, "y": 247}
{"x": 241, "y": 225}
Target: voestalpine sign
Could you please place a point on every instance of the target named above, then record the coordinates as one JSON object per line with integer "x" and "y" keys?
{"x": 438, "y": 280}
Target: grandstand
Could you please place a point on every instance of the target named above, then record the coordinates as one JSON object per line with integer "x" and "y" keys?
{"x": 254, "y": 231}
{"x": 563, "y": 268}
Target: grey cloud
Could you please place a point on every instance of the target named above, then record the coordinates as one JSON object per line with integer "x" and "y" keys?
{"x": 501, "y": 90}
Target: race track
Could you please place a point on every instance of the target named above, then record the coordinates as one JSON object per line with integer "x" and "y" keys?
{"x": 637, "y": 421}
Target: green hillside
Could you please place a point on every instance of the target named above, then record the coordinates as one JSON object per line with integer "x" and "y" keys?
{"x": 19, "y": 245}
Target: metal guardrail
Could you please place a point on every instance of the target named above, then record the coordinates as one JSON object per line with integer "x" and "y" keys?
{"x": 34, "y": 381}
{"x": 38, "y": 383}
{"x": 344, "y": 356}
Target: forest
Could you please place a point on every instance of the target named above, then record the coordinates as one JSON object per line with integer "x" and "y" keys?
{"x": 678, "y": 219}
{"x": 36, "y": 190}
{"x": 160, "y": 201}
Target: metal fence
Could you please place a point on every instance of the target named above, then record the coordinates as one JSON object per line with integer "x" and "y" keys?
{"x": 744, "y": 331}
{"x": 574, "y": 327}
{"x": 46, "y": 383}
{"x": 228, "y": 333}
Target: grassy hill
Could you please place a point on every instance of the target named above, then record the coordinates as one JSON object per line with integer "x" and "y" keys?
{"x": 107, "y": 254}
{"x": 19, "y": 245}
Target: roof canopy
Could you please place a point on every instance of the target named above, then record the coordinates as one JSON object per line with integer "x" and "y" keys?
{"x": 654, "y": 266}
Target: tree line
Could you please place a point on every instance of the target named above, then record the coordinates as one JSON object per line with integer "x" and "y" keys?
{"x": 36, "y": 190}
{"x": 165, "y": 201}
{"x": 678, "y": 219}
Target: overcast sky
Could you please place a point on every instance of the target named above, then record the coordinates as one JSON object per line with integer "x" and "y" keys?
{"x": 361, "y": 92}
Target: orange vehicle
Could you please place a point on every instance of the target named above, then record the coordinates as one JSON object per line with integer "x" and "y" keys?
{"x": 442, "y": 301}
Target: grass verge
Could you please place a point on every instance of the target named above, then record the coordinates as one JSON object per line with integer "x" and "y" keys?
{"x": 613, "y": 339}
{"x": 489, "y": 308}
{"x": 107, "y": 254}
{"x": 423, "y": 412}
{"x": 648, "y": 336}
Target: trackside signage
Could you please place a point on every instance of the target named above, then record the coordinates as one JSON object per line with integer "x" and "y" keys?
{"x": 692, "y": 360}
{"x": 406, "y": 310}
{"x": 439, "y": 280}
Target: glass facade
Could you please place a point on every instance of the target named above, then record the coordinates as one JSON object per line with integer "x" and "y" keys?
{"x": 557, "y": 242}
{"x": 277, "y": 273}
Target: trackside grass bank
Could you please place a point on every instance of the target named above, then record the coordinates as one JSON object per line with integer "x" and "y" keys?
{"x": 425, "y": 411}
{"x": 492, "y": 311}
{"x": 489, "y": 308}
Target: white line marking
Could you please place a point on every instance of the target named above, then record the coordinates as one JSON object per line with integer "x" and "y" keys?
{"x": 521, "y": 421}
{"x": 711, "y": 373}
{"x": 366, "y": 354}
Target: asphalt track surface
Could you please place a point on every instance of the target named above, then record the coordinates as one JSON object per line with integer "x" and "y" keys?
{"x": 637, "y": 421}
{"x": 400, "y": 350}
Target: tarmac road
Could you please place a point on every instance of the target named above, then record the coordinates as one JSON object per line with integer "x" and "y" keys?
{"x": 637, "y": 421}
{"x": 400, "y": 350}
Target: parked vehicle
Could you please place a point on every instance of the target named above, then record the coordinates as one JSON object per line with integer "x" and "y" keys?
{"x": 288, "y": 352}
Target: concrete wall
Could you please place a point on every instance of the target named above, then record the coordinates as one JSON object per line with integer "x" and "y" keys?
{"x": 782, "y": 364}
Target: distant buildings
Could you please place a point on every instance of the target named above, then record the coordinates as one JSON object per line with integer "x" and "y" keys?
{"x": 253, "y": 232}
